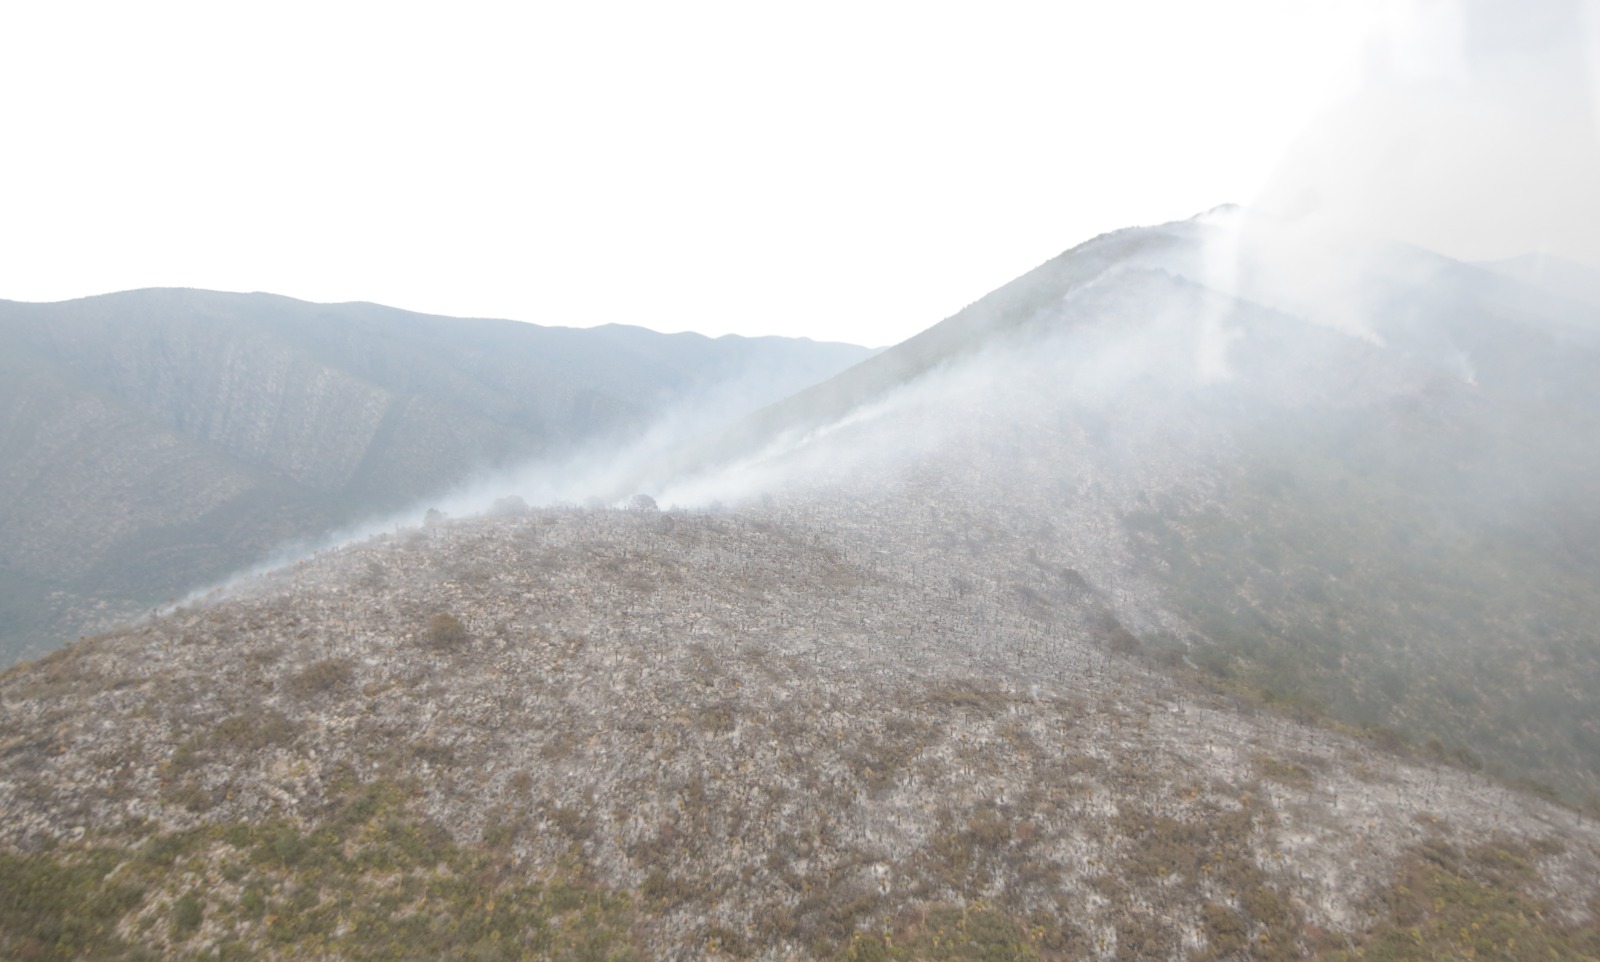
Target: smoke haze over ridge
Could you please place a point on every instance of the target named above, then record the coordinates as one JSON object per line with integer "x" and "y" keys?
{"x": 1219, "y": 587}
{"x": 585, "y": 168}
{"x": 1349, "y": 472}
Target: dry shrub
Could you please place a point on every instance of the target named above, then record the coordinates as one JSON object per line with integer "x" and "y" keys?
{"x": 323, "y": 676}
{"x": 445, "y": 632}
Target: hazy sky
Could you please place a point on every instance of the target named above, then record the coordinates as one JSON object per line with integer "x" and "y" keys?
{"x": 851, "y": 171}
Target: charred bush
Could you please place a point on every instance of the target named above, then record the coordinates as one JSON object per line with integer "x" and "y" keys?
{"x": 445, "y": 632}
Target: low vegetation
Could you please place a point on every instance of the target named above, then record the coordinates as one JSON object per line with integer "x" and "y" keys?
{"x": 669, "y": 735}
{"x": 372, "y": 882}
{"x": 1465, "y": 641}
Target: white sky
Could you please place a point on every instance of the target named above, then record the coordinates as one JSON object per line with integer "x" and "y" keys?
{"x": 849, "y": 171}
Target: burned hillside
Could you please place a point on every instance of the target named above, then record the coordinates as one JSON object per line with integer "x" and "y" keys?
{"x": 722, "y": 736}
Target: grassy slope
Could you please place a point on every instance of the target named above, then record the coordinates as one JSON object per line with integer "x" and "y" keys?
{"x": 1334, "y": 579}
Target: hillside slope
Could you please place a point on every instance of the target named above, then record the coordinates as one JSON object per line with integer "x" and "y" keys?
{"x": 1373, "y": 494}
{"x": 1197, "y": 598}
{"x": 607, "y": 734}
{"x": 154, "y": 441}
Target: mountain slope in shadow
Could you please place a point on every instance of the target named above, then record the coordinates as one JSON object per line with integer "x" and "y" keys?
{"x": 1369, "y": 489}
{"x": 157, "y": 440}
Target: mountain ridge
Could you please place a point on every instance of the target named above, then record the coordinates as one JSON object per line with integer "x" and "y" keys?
{"x": 157, "y": 438}
{"x": 1416, "y": 426}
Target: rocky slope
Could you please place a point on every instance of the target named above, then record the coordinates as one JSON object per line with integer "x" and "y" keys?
{"x": 728, "y": 736}
{"x": 156, "y": 440}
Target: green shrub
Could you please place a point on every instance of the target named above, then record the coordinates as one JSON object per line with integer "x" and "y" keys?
{"x": 187, "y": 915}
{"x": 55, "y": 910}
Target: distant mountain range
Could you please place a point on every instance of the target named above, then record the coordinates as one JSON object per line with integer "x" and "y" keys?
{"x": 1555, "y": 274}
{"x": 155, "y": 441}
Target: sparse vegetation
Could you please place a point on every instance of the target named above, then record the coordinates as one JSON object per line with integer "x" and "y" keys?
{"x": 738, "y": 763}
{"x": 323, "y": 677}
{"x": 1406, "y": 641}
{"x": 374, "y": 883}
{"x": 1450, "y": 903}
